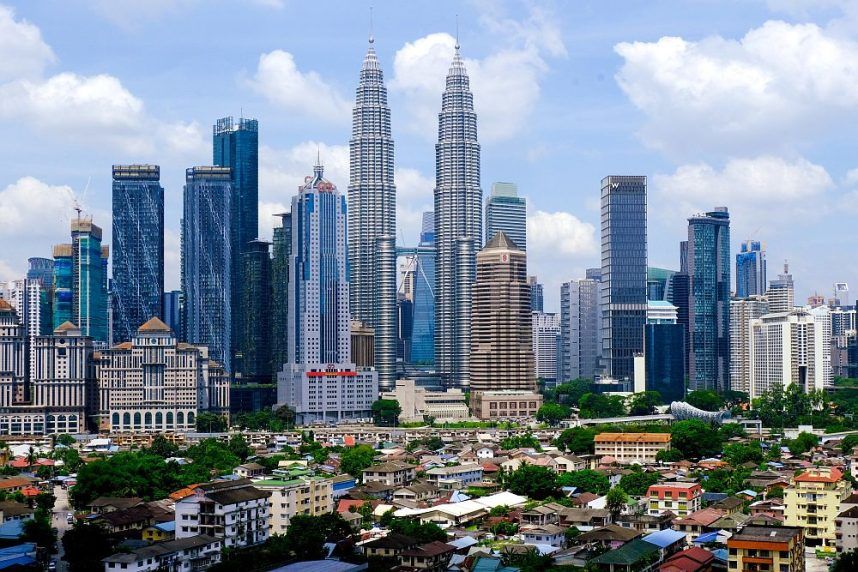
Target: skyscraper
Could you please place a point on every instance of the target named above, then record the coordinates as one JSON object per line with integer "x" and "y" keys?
{"x": 281, "y": 254}
{"x": 781, "y": 292}
{"x": 664, "y": 354}
{"x": 423, "y": 319}
{"x": 742, "y": 311}
{"x": 580, "y": 332}
{"x": 320, "y": 381}
{"x": 546, "y": 330}
{"x": 236, "y": 145}
{"x": 41, "y": 270}
{"x": 207, "y": 261}
{"x": 138, "y": 247}
{"x": 458, "y": 225}
{"x": 256, "y": 366}
{"x": 537, "y": 298}
{"x": 171, "y": 303}
{"x": 750, "y": 269}
{"x": 507, "y": 212}
{"x": 502, "y": 341}
{"x": 709, "y": 264}
{"x": 372, "y": 215}
{"x": 624, "y": 264}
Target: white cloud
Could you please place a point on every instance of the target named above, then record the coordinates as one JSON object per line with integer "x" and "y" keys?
{"x": 23, "y": 53}
{"x": 775, "y": 86}
{"x": 414, "y": 196}
{"x": 279, "y": 80}
{"x": 34, "y": 209}
{"x": 172, "y": 259}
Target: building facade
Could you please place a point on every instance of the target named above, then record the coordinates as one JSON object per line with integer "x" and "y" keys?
{"x": 537, "y": 296}
{"x": 709, "y": 265}
{"x": 422, "y": 351}
{"x": 751, "y": 269}
{"x": 420, "y": 404}
{"x": 742, "y": 311}
{"x": 505, "y": 404}
{"x": 207, "y": 260}
{"x": 781, "y": 292}
{"x": 502, "y": 338}
{"x": 234, "y": 511}
{"x": 546, "y": 331}
{"x": 305, "y": 495}
{"x": 138, "y": 247}
{"x": 624, "y": 273}
{"x": 372, "y": 216}
{"x": 281, "y": 253}
{"x": 664, "y": 352}
{"x": 812, "y": 503}
{"x": 766, "y": 548}
{"x": 679, "y": 498}
{"x": 632, "y": 448}
{"x": 507, "y": 212}
{"x": 171, "y": 305}
{"x": 458, "y": 225}
{"x": 580, "y": 330}
{"x": 256, "y": 364}
{"x": 154, "y": 383}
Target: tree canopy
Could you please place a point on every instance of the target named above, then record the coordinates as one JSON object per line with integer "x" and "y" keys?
{"x": 586, "y": 480}
{"x": 524, "y": 441}
{"x": 705, "y": 399}
{"x": 385, "y": 412}
{"x": 638, "y": 482}
{"x": 599, "y": 406}
{"x": 553, "y": 413}
{"x": 354, "y": 460}
{"x": 576, "y": 440}
{"x": 644, "y": 403}
{"x": 695, "y": 439}
{"x": 533, "y": 481}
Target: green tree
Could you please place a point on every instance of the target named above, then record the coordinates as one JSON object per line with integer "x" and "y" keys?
{"x": 162, "y": 447}
{"x": 638, "y": 482}
{"x": 846, "y": 562}
{"x": 669, "y": 456}
{"x": 644, "y": 403}
{"x": 210, "y": 458}
{"x": 569, "y": 393}
{"x": 211, "y": 423}
{"x": 504, "y": 528}
{"x": 84, "y": 546}
{"x": 305, "y": 538}
{"x": 616, "y": 500}
{"x": 421, "y": 532}
{"x": 739, "y": 454}
{"x": 553, "y": 413}
{"x": 587, "y": 480}
{"x": 524, "y": 441}
{"x": 430, "y": 443}
{"x": 695, "y": 439}
{"x": 66, "y": 440}
{"x": 599, "y": 406}
{"x": 729, "y": 430}
{"x": 354, "y": 460}
{"x": 126, "y": 474}
{"x": 576, "y": 440}
{"x": 238, "y": 446}
{"x": 385, "y": 412}
{"x": 849, "y": 443}
{"x": 38, "y": 529}
{"x": 705, "y": 399}
{"x": 45, "y": 501}
{"x": 803, "y": 443}
{"x": 500, "y": 510}
{"x": 533, "y": 481}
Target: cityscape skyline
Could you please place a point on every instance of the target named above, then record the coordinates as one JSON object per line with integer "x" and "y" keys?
{"x": 285, "y": 149}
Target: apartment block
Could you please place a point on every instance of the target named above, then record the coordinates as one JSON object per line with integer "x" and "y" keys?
{"x": 632, "y": 448}
{"x": 679, "y": 498}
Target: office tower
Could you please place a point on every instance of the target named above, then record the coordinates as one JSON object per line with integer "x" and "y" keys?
{"x": 659, "y": 283}
{"x": 207, "y": 258}
{"x": 546, "y": 330}
{"x": 156, "y": 384}
{"x": 41, "y": 269}
{"x": 363, "y": 344}
{"x": 256, "y": 304}
{"x": 281, "y": 253}
{"x": 537, "y": 303}
{"x": 742, "y": 311}
{"x": 664, "y": 352}
{"x": 406, "y": 277}
{"x": 13, "y": 357}
{"x": 372, "y": 216}
{"x": 841, "y": 294}
{"x": 405, "y": 327}
{"x": 458, "y": 225}
{"x": 507, "y": 212}
{"x": 236, "y": 145}
{"x": 680, "y": 296}
{"x": 171, "y": 304}
{"x": 623, "y": 285}
{"x": 138, "y": 247}
{"x": 26, "y": 297}
{"x": 709, "y": 264}
{"x": 80, "y": 281}
{"x": 790, "y": 348}
{"x": 842, "y": 336}
{"x": 751, "y": 269}
{"x": 423, "y": 318}
{"x": 580, "y": 332}
{"x": 502, "y": 341}
{"x": 781, "y": 292}
{"x": 320, "y": 382}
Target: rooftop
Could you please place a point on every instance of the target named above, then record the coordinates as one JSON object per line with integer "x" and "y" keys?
{"x": 633, "y": 438}
{"x": 766, "y": 534}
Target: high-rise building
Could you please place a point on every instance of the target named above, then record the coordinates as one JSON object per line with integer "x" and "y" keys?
{"x": 138, "y": 247}
{"x": 790, "y": 348}
{"x": 709, "y": 265}
{"x": 507, "y": 212}
{"x": 80, "y": 281}
{"x": 546, "y": 330}
{"x": 156, "y": 384}
{"x": 281, "y": 255}
{"x": 320, "y": 381}
{"x": 256, "y": 364}
{"x": 171, "y": 304}
{"x": 580, "y": 332}
{"x": 372, "y": 216}
{"x": 781, "y": 292}
{"x": 41, "y": 269}
{"x": 537, "y": 297}
{"x": 751, "y": 269}
{"x": 235, "y": 144}
{"x": 659, "y": 283}
{"x": 423, "y": 317}
{"x": 458, "y": 225}
{"x": 26, "y": 297}
{"x": 742, "y": 311}
{"x": 207, "y": 261}
{"x": 502, "y": 342}
{"x": 624, "y": 264}
{"x": 664, "y": 352}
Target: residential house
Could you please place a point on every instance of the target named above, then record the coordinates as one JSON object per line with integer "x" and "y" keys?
{"x": 234, "y": 511}
{"x": 679, "y": 498}
{"x": 550, "y": 534}
{"x": 390, "y": 546}
{"x": 160, "y": 532}
{"x": 102, "y": 505}
{"x": 415, "y": 492}
{"x": 846, "y": 530}
{"x": 812, "y": 502}
{"x": 585, "y": 518}
{"x": 698, "y": 522}
{"x": 541, "y": 515}
{"x": 458, "y": 476}
{"x": 778, "y": 549}
{"x": 249, "y": 470}
{"x": 11, "y": 510}
{"x": 694, "y": 559}
{"x": 192, "y": 553}
{"x": 646, "y": 523}
{"x": 610, "y": 537}
{"x": 289, "y": 497}
{"x": 392, "y": 473}
{"x": 431, "y": 557}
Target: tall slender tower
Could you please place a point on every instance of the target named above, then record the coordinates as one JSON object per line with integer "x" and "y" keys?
{"x": 458, "y": 225}
{"x": 372, "y": 216}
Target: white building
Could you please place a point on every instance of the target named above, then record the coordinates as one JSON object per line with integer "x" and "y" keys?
{"x": 580, "y": 321}
{"x": 460, "y": 475}
{"x": 305, "y": 495}
{"x": 546, "y": 331}
{"x": 234, "y": 511}
{"x": 25, "y": 297}
{"x": 418, "y": 403}
{"x": 742, "y": 311}
{"x": 192, "y": 553}
{"x": 790, "y": 348}
{"x": 155, "y": 383}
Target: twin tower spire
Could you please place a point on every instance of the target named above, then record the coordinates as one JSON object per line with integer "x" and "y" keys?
{"x": 372, "y": 220}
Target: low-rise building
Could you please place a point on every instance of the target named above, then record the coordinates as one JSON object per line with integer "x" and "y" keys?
{"x": 631, "y": 448}
{"x": 550, "y": 534}
{"x": 392, "y": 473}
{"x": 192, "y": 553}
{"x": 431, "y": 557}
{"x": 679, "y": 498}
{"x": 457, "y": 476}
{"x": 846, "y": 530}
{"x": 419, "y": 403}
{"x": 779, "y": 549}
{"x": 306, "y": 495}
{"x": 507, "y": 404}
{"x": 234, "y": 511}
{"x": 812, "y": 502}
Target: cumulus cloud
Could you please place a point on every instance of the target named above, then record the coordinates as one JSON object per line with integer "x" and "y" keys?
{"x": 414, "y": 196}
{"x": 28, "y": 204}
{"x": 280, "y": 81}
{"x": 24, "y": 53}
{"x": 778, "y": 84}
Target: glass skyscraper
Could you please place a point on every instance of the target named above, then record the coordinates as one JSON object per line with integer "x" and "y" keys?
{"x": 281, "y": 253}
{"x": 709, "y": 265}
{"x": 423, "y": 320}
{"x": 624, "y": 273}
{"x": 578, "y": 354}
{"x": 256, "y": 315}
{"x": 751, "y": 269}
{"x": 507, "y": 212}
{"x": 138, "y": 248}
{"x": 207, "y": 261}
{"x": 537, "y": 297}
{"x": 171, "y": 303}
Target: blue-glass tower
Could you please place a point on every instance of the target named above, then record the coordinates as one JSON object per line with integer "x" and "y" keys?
{"x": 507, "y": 212}
{"x": 709, "y": 264}
{"x": 138, "y": 248}
{"x": 751, "y": 269}
{"x": 423, "y": 317}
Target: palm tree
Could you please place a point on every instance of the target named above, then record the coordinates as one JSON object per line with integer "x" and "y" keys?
{"x": 32, "y": 458}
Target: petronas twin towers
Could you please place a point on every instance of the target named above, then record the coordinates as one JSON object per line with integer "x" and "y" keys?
{"x": 372, "y": 221}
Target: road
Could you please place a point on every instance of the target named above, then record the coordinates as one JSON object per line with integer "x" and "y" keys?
{"x": 60, "y": 513}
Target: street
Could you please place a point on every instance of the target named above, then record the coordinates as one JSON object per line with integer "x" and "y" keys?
{"x": 58, "y": 520}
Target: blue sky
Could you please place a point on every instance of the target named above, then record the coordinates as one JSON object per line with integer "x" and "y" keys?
{"x": 746, "y": 104}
